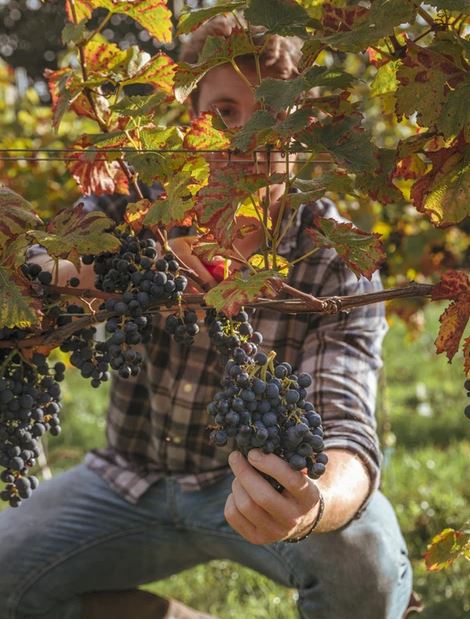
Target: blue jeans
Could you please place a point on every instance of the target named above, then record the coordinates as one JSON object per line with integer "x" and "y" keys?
{"x": 76, "y": 535}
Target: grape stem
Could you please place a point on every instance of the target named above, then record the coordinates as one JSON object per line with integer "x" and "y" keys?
{"x": 297, "y": 305}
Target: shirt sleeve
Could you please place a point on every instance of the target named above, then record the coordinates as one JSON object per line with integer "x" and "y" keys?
{"x": 342, "y": 352}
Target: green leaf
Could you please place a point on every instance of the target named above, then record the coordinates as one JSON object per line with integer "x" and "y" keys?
{"x": 16, "y": 216}
{"x": 344, "y": 138}
{"x": 218, "y": 202}
{"x": 74, "y": 33}
{"x": 380, "y": 21}
{"x": 216, "y": 51}
{"x": 150, "y": 166}
{"x": 255, "y": 132}
{"x": 139, "y": 105}
{"x": 443, "y": 194}
{"x": 77, "y": 10}
{"x": 233, "y": 293}
{"x": 191, "y": 19}
{"x": 282, "y": 17}
{"x": 424, "y": 78}
{"x": 450, "y": 5}
{"x": 73, "y": 233}
{"x": 17, "y": 307}
{"x": 280, "y": 94}
{"x": 362, "y": 251}
{"x": 385, "y": 80}
{"x": 175, "y": 205}
{"x": 161, "y": 137}
{"x": 446, "y": 547}
{"x": 455, "y": 112}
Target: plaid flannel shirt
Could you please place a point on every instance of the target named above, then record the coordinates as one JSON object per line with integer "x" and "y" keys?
{"x": 157, "y": 421}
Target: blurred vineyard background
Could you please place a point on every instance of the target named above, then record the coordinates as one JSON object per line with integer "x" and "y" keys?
{"x": 423, "y": 430}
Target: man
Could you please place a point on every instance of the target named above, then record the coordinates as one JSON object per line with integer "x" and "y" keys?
{"x": 161, "y": 499}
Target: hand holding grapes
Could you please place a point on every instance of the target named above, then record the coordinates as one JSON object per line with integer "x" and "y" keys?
{"x": 261, "y": 514}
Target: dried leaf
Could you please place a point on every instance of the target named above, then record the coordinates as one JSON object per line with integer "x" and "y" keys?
{"x": 453, "y": 323}
{"x": 362, "y": 251}
{"x": 453, "y": 285}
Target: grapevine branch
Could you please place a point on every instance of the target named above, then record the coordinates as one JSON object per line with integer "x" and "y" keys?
{"x": 301, "y": 303}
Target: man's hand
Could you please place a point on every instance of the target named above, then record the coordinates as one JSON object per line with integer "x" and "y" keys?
{"x": 257, "y": 511}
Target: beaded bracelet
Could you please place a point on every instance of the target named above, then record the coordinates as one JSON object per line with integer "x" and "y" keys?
{"x": 321, "y": 509}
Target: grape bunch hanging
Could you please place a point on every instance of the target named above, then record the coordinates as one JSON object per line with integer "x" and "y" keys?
{"x": 262, "y": 404}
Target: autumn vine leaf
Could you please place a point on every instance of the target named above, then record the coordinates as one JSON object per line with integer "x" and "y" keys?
{"x": 362, "y": 251}
{"x": 446, "y": 547}
{"x": 191, "y": 19}
{"x": 17, "y": 307}
{"x": 454, "y": 285}
{"x": 153, "y": 15}
{"x": 216, "y": 51}
{"x": 16, "y": 216}
{"x": 443, "y": 193}
{"x": 230, "y": 295}
{"x": 220, "y": 202}
{"x": 94, "y": 174}
{"x": 73, "y": 232}
{"x": 202, "y": 135}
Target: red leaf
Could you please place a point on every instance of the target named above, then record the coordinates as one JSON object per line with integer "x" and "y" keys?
{"x": 231, "y": 294}
{"x": 453, "y": 322}
{"x": 217, "y": 203}
{"x": 95, "y": 174}
{"x": 204, "y": 136}
{"x": 159, "y": 71}
{"x": 453, "y": 285}
{"x": 362, "y": 251}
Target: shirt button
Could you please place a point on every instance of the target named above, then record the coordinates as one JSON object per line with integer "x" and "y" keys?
{"x": 187, "y": 387}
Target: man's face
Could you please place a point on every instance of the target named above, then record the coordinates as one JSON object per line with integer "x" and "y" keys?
{"x": 223, "y": 91}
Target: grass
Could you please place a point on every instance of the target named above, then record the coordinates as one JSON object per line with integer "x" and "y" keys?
{"x": 427, "y": 449}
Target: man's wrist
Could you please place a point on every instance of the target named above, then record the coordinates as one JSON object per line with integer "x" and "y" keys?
{"x": 315, "y": 523}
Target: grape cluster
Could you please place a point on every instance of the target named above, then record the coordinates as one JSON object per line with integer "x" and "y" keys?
{"x": 227, "y": 334}
{"x": 29, "y": 407}
{"x": 466, "y": 386}
{"x": 263, "y": 405}
{"x": 183, "y": 327}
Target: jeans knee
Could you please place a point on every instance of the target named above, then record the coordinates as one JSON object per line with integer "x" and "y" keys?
{"x": 372, "y": 580}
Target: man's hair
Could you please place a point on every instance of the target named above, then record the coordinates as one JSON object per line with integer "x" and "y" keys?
{"x": 281, "y": 55}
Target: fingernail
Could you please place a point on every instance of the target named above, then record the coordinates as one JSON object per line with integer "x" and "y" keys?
{"x": 255, "y": 455}
{"x": 233, "y": 457}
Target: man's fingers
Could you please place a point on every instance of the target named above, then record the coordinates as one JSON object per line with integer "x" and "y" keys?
{"x": 238, "y": 521}
{"x": 296, "y": 483}
{"x": 260, "y": 490}
{"x": 260, "y": 518}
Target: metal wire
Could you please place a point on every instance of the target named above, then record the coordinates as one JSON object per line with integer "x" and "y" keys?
{"x": 70, "y": 160}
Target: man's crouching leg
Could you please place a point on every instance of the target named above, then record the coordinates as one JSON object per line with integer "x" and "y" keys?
{"x": 361, "y": 571}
